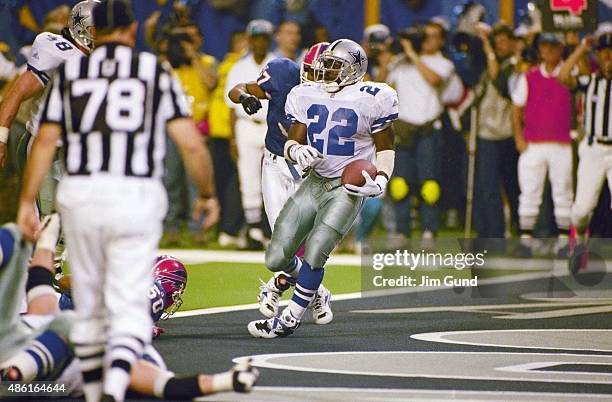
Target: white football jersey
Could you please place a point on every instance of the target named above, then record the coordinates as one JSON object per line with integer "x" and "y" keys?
{"x": 48, "y": 52}
{"x": 341, "y": 125}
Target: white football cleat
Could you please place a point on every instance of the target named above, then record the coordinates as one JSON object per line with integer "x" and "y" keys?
{"x": 275, "y": 327}
{"x": 271, "y": 292}
{"x": 321, "y": 306}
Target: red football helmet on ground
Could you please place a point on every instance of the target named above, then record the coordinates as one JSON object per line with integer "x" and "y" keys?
{"x": 306, "y": 72}
{"x": 172, "y": 275}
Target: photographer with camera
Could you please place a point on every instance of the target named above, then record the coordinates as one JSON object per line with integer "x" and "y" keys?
{"x": 376, "y": 42}
{"x": 419, "y": 78}
{"x": 496, "y": 155}
{"x": 197, "y": 73}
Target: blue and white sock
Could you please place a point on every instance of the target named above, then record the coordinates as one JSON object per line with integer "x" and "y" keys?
{"x": 306, "y": 287}
{"x": 45, "y": 356}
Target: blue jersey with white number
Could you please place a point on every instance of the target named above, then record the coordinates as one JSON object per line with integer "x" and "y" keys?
{"x": 342, "y": 125}
{"x": 277, "y": 78}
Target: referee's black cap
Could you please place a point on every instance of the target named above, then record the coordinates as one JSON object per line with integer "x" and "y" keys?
{"x": 111, "y": 14}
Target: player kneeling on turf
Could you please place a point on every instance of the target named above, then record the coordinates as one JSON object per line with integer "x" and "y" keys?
{"x": 35, "y": 347}
{"x": 336, "y": 120}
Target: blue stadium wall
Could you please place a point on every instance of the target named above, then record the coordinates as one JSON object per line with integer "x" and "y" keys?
{"x": 342, "y": 18}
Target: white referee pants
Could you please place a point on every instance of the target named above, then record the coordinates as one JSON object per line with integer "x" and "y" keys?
{"x": 594, "y": 165}
{"x": 250, "y": 141}
{"x": 538, "y": 160}
{"x": 278, "y": 184}
{"x": 112, "y": 228}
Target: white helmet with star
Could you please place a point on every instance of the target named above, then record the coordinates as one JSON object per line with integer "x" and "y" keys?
{"x": 80, "y": 23}
{"x": 343, "y": 63}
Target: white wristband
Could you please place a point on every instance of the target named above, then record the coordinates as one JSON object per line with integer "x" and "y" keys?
{"x": 4, "y": 134}
{"x": 223, "y": 381}
{"x": 287, "y": 149}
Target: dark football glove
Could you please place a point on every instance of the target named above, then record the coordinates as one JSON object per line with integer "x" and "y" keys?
{"x": 244, "y": 377}
{"x": 250, "y": 104}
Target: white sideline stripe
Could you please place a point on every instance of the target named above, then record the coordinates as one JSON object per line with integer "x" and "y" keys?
{"x": 260, "y": 393}
{"x": 363, "y": 295}
{"x": 252, "y": 306}
{"x": 254, "y": 257}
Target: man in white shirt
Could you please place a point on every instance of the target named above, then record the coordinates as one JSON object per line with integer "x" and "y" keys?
{"x": 419, "y": 78}
{"x": 249, "y": 131}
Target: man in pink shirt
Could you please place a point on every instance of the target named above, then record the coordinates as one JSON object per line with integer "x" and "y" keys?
{"x": 541, "y": 121}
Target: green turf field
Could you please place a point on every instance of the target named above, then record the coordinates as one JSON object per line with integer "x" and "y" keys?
{"x": 217, "y": 284}
{"x": 226, "y": 284}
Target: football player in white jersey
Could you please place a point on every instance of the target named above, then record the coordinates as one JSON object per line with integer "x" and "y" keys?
{"x": 34, "y": 346}
{"x": 48, "y": 52}
{"x": 335, "y": 120}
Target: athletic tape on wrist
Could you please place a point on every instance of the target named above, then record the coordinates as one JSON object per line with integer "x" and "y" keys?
{"x": 385, "y": 161}
{"x": 223, "y": 382}
{"x": 4, "y": 134}
{"x": 288, "y": 145}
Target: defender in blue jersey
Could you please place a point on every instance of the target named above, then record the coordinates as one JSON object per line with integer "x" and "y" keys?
{"x": 280, "y": 179}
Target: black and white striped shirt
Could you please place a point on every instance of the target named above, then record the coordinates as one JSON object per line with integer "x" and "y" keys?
{"x": 597, "y": 108}
{"x": 113, "y": 107}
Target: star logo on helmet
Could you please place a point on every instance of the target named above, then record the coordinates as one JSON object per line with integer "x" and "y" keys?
{"x": 78, "y": 19}
{"x": 357, "y": 57}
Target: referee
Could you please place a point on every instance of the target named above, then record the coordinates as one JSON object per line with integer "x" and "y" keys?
{"x": 111, "y": 111}
{"x": 595, "y": 150}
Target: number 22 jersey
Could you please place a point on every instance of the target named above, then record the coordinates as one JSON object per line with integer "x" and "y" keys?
{"x": 48, "y": 52}
{"x": 342, "y": 125}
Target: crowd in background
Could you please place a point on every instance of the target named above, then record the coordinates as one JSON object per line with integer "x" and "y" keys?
{"x": 439, "y": 71}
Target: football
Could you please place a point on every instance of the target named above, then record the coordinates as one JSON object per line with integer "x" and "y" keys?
{"x": 352, "y": 172}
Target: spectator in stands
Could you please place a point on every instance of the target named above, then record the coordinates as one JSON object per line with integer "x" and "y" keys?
{"x": 197, "y": 73}
{"x": 376, "y": 41}
{"x": 419, "y": 77}
{"x": 496, "y": 154}
{"x": 288, "y": 38}
{"x": 249, "y": 131}
{"x": 541, "y": 119}
{"x": 223, "y": 156}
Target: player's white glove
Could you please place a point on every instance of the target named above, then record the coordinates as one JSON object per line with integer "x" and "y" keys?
{"x": 372, "y": 188}
{"x": 244, "y": 377}
{"x": 305, "y": 155}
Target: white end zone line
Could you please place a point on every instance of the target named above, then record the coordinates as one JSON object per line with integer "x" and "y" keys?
{"x": 253, "y": 257}
{"x": 368, "y": 294}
